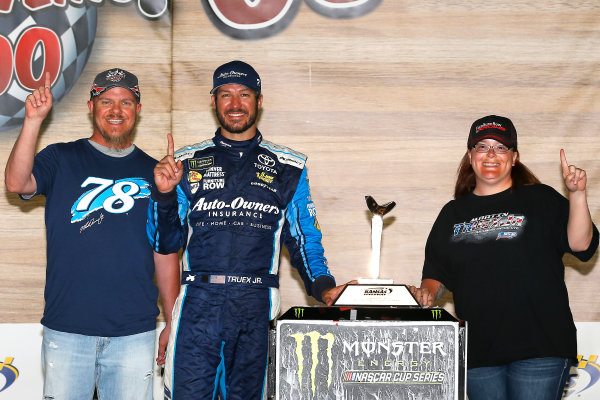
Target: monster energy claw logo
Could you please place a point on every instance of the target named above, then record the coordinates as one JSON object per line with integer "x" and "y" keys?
{"x": 314, "y": 337}
{"x": 299, "y": 312}
{"x": 436, "y": 314}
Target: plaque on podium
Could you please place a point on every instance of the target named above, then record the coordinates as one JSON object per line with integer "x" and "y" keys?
{"x": 376, "y": 295}
{"x": 386, "y": 353}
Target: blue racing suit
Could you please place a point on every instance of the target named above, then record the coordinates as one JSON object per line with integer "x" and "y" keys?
{"x": 235, "y": 205}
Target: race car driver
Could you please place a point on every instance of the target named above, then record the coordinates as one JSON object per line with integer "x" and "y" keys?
{"x": 230, "y": 202}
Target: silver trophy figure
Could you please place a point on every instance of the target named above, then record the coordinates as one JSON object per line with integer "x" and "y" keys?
{"x": 375, "y": 291}
{"x": 377, "y": 211}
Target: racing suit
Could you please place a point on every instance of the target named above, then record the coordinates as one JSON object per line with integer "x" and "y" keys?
{"x": 235, "y": 205}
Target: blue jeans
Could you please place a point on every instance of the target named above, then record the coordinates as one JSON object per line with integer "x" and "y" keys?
{"x": 534, "y": 378}
{"x": 121, "y": 367}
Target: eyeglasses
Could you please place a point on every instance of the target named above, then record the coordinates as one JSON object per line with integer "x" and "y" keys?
{"x": 484, "y": 148}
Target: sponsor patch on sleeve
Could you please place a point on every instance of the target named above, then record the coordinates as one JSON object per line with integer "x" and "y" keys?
{"x": 201, "y": 163}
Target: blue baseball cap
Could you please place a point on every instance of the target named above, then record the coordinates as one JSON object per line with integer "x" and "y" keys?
{"x": 236, "y": 72}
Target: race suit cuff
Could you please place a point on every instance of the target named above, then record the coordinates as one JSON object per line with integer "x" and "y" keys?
{"x": 164, "y": 198}
{"x": 323, "y": 282}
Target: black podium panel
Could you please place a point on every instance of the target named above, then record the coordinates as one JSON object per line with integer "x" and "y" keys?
{"x": 368, "y": 353}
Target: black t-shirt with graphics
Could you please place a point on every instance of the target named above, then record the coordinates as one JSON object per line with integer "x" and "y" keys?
{"x": 501, "y": 256}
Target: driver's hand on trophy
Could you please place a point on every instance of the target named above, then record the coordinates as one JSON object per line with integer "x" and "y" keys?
{"x": 329, "y": 295}
{"x": 423, "y": 296}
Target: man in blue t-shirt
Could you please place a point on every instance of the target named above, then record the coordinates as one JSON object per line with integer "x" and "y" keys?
{"x": 100, "y": 311}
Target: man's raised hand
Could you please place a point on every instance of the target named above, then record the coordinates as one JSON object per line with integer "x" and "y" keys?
{"x": 168, "y": 172}
{"x": 39, "y": 103}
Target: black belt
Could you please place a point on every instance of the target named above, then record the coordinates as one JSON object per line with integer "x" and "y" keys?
{"x": 249, "y": 280}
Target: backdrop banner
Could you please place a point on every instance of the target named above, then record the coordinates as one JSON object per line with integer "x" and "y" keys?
{"x": 21, "y": 371}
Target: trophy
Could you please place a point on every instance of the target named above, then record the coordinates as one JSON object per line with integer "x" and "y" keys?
{"x": 375, "y": 291}
{"x": 377, "y": 213}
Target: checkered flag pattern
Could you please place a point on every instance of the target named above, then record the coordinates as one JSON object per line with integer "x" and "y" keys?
{"x": 75, "y": 26}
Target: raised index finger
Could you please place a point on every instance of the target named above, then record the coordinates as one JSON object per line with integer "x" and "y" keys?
{"x": 171, "y": 146}
{"x": 47, "y": 82}
{"x": 563, "y": 162}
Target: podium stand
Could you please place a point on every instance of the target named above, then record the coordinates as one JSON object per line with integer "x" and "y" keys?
{"x": 367, "y": 353}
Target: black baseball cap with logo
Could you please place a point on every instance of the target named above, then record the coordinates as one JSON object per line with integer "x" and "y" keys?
{"x": 493, "y": 127}
{"x": 115, "y": 77}
{"x": 236, "y": 72}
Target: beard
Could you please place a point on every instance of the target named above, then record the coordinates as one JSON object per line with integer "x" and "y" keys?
{"x": 116, "y": 141}
{"x": 236, "y": 129}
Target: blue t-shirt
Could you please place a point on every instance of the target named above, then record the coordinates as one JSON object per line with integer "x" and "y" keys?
{"x": 100, "y": 267}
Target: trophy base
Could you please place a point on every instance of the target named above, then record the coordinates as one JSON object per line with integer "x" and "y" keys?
{"x": 376, "y": 295}
{"x": 368, "y": 281}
